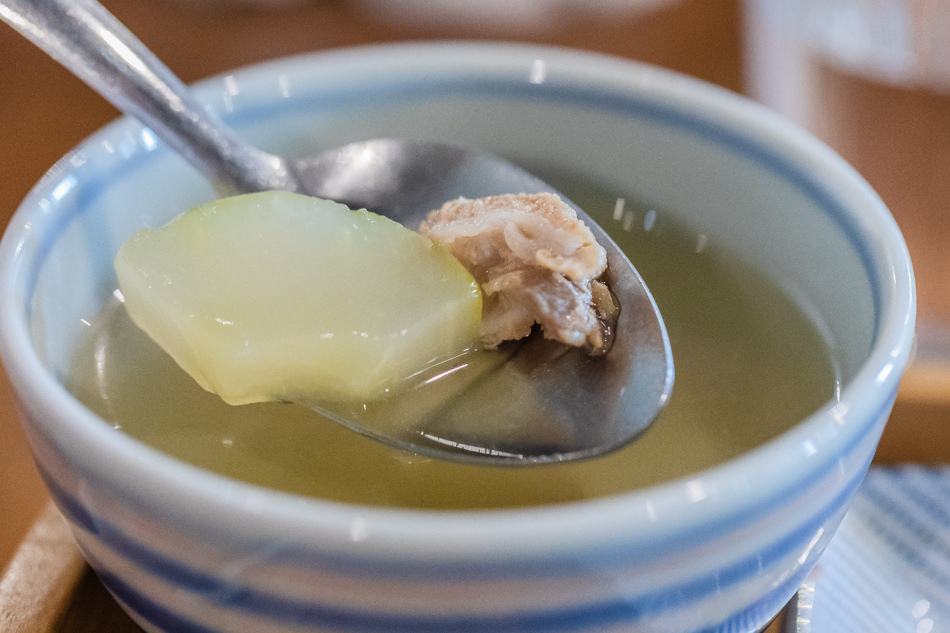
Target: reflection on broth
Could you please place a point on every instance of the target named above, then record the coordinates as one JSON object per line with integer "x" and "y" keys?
{"x": 748, "y": 363}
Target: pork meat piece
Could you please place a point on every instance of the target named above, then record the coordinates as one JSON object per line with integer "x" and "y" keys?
{"x": 535, "y": 262}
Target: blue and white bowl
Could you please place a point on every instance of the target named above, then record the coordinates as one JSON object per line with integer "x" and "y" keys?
{"x": 185, "y": 550}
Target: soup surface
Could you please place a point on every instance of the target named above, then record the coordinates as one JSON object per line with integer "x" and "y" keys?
{"x": 748, "y": 365}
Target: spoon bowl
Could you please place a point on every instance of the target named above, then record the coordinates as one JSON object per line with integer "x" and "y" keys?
{"x": 580, "y": 405}
{"x": 570, "y": 405}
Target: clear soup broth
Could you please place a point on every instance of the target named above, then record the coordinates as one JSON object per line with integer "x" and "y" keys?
{"x": 749, "y": 365}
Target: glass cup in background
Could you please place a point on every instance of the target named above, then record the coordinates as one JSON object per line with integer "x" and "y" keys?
{"x": 872, "y": 79}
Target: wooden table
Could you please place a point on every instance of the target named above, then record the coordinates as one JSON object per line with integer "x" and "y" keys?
{"x": 45, "y": 111}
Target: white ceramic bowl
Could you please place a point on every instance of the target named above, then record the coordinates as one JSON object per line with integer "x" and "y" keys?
{"x": 185, "y": 550}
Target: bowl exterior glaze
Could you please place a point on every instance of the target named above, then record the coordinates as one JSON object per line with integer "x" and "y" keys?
{"x": 184, "y": 550}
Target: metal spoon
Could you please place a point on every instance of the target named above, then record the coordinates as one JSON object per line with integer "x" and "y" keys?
{"x": 537, "y": 401}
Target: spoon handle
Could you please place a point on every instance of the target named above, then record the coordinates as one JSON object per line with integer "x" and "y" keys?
{"x": 90, "y": 42}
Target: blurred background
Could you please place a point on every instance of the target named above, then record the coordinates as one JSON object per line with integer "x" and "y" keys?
{"x": 871, "y": 77}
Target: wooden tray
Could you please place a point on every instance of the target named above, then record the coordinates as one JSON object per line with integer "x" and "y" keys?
{"x": 49, "y": 588}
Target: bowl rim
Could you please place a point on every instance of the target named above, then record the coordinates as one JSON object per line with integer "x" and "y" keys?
{"x": 780, "y": 466}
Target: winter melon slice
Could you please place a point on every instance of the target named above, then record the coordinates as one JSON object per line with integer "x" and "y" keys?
{"x": 280, "y": 296}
